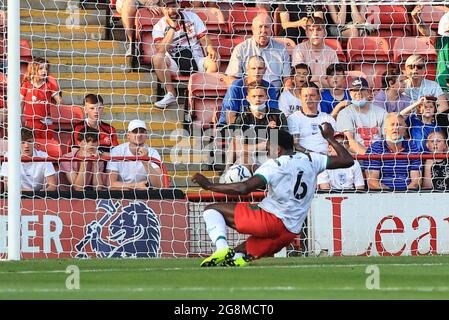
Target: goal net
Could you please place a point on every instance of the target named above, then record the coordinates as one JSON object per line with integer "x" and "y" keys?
{"x": 124, "y": 101}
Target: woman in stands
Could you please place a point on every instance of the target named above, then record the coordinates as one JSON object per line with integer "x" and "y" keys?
{"x": 38, "y": 91}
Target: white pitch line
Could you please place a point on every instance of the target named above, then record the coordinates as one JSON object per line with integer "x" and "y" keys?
{"x": 220, "y": 289}
{"x": 299, "y": 266}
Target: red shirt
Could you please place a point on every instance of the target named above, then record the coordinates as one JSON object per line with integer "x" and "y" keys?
{"x": 108, "y": 135}
{"x": 37, "y": 101}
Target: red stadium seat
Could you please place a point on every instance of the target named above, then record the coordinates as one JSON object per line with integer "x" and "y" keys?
{"x": 25, "y": 51}
{"x": 392, "y": 22}
{"x": 277, "y": 22}
{"x": 224, "y": 46}
{"x": 50, "y": 146}
{"x": 240, "y": 21}
{"x": 368, "y": 49}
{"x": 65, "y": 117}
{"x": 406, "y": 46}
{"x": 206, "y": 92}
{"x": 213, "y": 18}
{"x": 336, "y": 45}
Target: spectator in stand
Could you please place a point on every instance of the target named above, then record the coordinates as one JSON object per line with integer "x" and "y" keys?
{"x": 251, "y": 127}
{"x": 304, "y": 124}
{"x": 417, "y": 86}
{"x": 127, "y": 10}
{"x": 93, "y": 108}
{"x": 348, "y": 20}
{"x": 395, "y": 174}
{"x": 290, "y": 99}
{"x": 314, "y": 52}
{"x": 35, "y": 176}
{"x": 436, "y": 171}
{"x": 336, "y": 98}
{"x": 361, "y": 121}
{"x": 294, "y": 19}
{"x": 422, "y": 122}
{"x": 392, "y": 97}
{"x": 440, "y": 40}
{"x": 235, "y": 98}
{"x": 181, "y": 41}
{"x": 341, "y": 179}
{"x": 275, "y": 54}
{"x": 38, "y": 92}
{"x": 126, "y": 175}
{"x": 82, "y": 175}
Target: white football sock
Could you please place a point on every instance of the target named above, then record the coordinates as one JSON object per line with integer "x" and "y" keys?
{"x": 216, "y": 228}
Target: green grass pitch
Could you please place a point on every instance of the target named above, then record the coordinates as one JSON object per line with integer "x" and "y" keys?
{"x": 270, "y": 278}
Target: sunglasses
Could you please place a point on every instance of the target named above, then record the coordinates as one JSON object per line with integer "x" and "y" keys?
{"x": 413, "y": 66}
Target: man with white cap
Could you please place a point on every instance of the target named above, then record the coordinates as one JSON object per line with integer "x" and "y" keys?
{"x": 441, "y": 41}
{"x": 126, "y": 175}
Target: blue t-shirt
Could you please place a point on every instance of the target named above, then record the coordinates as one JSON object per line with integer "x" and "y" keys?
{"x": 420, "y": 131}
{"x": 393, "y": 173}
{"x": 235, "y": 98}
{"x": 328, "y": 102}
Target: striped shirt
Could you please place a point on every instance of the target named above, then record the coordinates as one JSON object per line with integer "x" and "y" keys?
{"x": 393, "y": 173}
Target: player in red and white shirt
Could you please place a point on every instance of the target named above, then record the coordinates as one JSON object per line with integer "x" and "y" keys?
{"x": 38, "y": 92}
{"x": 93, "y": 108}
{"x": 170, "y": 36}
{"x": 277, "y": 220}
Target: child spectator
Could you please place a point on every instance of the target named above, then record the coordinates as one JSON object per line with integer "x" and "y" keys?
{"x": 314, "y": 52}
{"x": 392, "y": 97}
{"x": 394, "y": 174}
{"x": 290, "y": 99}
{"x": 423, "y": 122}
{"x": 341, "y": 179}
{"x": 93, "y": 108}
{"x": 304, "y": 124}
{"x": 35, "y": 176}
{"x": 336, "y": 98}
{"x": 127, "y": 175}
{"x": 436, "y": 171}
{"x": 82, "y": 175}
{"x": 38, "y": 91}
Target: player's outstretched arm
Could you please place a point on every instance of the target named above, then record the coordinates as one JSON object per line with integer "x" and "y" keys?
{"x": 343, "y": 158}
{"x": 239, "y": 188}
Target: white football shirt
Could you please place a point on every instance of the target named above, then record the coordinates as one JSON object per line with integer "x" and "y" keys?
{"x": 33, "y": 174}
{"x": 341, "y": 179}
{"x": 288, "y": 103}
{"x": 307, "y": 127}
{"x": 130, "y": 171}
{"x": 291, "y": 184}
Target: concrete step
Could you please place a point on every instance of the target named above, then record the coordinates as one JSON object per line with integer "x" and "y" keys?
{"x": 145, "y": 112}
{"x": 106, "y": 80}
{"x": 77, "y": 48}
{"x": 43, "y": 4}
{"x": 152, "y": 126}
{"x": 111, "y": 96}
{"x": 62, "y": 32}
{"x": 184, "y": 178}
{"x": 112, "y": 64}
{"x": 64, "y": 16}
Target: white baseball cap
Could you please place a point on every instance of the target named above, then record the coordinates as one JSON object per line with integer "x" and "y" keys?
{"x": 136, "y": 123}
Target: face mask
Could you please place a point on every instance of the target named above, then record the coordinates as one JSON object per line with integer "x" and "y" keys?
{"x": 359, "y": 103}
{"x": 446, "y": 34}
{"x": 258, "y": 107}
{"x": 400, "y": 139}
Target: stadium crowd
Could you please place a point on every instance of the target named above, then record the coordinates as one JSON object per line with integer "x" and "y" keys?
{"x": 401, "y": 108}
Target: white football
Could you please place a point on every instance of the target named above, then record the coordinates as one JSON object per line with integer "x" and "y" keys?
{"x": 235, "y": 173}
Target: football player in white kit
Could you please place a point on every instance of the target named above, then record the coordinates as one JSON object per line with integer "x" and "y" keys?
{"x": 278, "y": 218}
